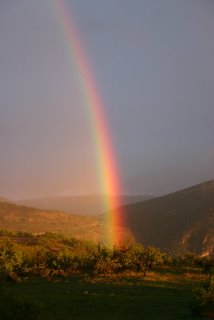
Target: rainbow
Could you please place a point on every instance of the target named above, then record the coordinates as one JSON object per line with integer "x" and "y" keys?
{"x": 106, "y": 164}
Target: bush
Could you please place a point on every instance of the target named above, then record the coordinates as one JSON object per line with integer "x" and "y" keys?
{"x": 203, "y": 299}
{"x": 151, "y": 256}
{"x": 10, "y": 259}
{"x": 52, "y": 254}
{"x": 137, "y": 258}
{"x": 207, "y": 264}
{"x": 123, "y": 257}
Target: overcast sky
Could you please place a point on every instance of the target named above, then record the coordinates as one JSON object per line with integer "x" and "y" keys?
{"x": 153, "y": 61}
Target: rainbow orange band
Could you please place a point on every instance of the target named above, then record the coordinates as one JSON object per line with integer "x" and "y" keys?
{"x": 106, "y": 163}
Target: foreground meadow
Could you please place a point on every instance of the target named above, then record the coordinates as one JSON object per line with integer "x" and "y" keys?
{"x": 159, "y": 295}
{"x": 51, "y": 277}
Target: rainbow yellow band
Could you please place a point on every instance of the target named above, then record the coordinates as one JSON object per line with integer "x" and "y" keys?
{"x": 106, "y": 163}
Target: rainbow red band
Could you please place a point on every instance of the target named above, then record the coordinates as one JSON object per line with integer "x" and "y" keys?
{"x": 106, "y": 163}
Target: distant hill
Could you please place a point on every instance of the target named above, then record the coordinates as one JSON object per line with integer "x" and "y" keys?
{"x": 15, "y": 217}
{"x": 2, "y": 199}
{"x": 182, "y": 220}
{"x": 84, "y": 205}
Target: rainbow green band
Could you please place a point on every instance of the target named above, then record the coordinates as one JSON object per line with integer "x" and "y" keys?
{"x": 107, "y": 169}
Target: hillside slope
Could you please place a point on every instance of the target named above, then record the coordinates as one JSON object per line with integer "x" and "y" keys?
{"x": 21, "y": 218}
{"x": 184, "y": 218}
{"x": 85, "y": 205}
{"x": 199, "y": 237}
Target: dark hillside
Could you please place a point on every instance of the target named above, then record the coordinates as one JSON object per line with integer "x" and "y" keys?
{"x": 164, "y": 221}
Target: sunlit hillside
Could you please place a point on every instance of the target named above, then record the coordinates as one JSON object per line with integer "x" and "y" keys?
{"x": 27, "y": 219}
{"x": 20, "y": 218}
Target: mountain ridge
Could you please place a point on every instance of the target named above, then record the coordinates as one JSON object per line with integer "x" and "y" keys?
{"x": 163, "y": 221}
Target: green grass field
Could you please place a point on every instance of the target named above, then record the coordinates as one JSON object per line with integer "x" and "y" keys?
{"x": 161, "y": 295}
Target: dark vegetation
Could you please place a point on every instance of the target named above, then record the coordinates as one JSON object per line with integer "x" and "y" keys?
{"x": 18, "y": 307}
{"x": 50, "y": 276}
{"x": 50, "y": 255}
{"x": 203, "y": 302}
{"x": 183, "y": 220}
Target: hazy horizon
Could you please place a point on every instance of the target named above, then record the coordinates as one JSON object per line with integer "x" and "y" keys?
{"x": 101, "y": 194}
{"x": 154, "y": 70}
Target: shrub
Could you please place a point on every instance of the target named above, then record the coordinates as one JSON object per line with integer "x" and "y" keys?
{"x": 10, "y": 259}
{"x": 137, "y": 258}
{"x": 123, "y": 257}
{"x": 207, "y": 264}
{"x": 151, "y": 256}
{"x": 33, "y": 260}
{"x": 203, "y": 298}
